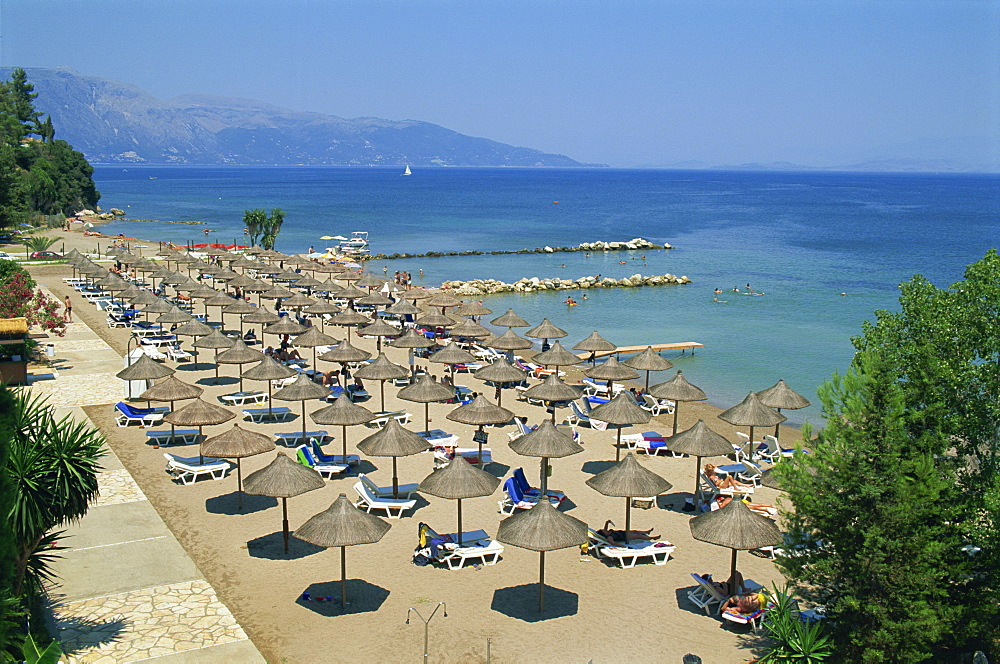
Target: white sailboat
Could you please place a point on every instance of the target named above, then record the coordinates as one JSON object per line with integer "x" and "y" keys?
{"x": 407, "y": 171}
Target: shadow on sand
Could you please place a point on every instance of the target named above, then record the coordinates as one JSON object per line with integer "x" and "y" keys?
{"x": 272, "y": 547}
{"x": 362, "y": 597}
{"x": 521, "y": 602}
{"x": 227, "y": 504}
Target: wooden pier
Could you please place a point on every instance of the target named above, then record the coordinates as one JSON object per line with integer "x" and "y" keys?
{"x": 682, "y": 346}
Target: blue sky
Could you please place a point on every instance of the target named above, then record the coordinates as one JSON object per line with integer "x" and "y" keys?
{"x": 624, "y": 83}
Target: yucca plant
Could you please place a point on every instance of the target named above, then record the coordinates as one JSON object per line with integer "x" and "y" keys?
{"x": 796, "y": 642}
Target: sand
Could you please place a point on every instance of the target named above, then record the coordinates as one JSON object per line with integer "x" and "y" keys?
{"x": 595, "y": 611}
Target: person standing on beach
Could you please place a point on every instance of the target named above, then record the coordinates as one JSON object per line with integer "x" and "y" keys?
{"x": 69, "y": 310}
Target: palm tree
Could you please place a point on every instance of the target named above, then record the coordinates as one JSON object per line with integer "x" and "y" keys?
{"x": 272, "y": 226}
{"x": 51, "y": 467}
{"x": 37, "y": 242}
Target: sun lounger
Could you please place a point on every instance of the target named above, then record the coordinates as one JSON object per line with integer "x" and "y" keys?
{"x": 295, "y": 438}
{"x": 350, "y": 459}
{"x": 258, "y": 415}
{"x": 444, "y": 454}
{"x": 153, "y": 353}
{"x": 178, "y": 354}
{"x": 514, "y": 499}
{"x": 160, "y": 340}
{"x": 382, "y": 418}
{"x": 243, "y": 398}
{"x": 439, "y": 438}
{"x": 166, "y": 437}
{"x": 386, "y": 491}
{"x": 393, "y": 507}
{"x": 326, "y": 470}
{"x": 189, "y": 469}
{"x": 705, "y": 595}
{"x": 629, "y": 554}
{"x": 708, "y": 491}
{"x": 127, "y": 415}
{"x": 476, "y": 546}
{"x": 650, "y": 442}
{"x": 533, "y": 492}
{"x": 354, "y": 392}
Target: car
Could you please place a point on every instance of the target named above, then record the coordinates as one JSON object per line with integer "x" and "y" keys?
{"x": 44, "y": 255}
{"x": 5, "y": 256}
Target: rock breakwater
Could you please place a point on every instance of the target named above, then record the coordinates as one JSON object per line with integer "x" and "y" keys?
{"x": 635, "y": 244}
{"x": 534, "y": 284}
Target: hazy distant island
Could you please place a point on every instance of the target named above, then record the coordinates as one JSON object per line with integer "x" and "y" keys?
{"x": 113, "y": 122}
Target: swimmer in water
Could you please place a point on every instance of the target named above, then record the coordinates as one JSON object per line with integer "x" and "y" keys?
{"x": 569, "y": 300}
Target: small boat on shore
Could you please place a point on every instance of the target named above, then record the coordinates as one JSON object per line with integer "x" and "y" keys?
{"x": 355, "y": 245}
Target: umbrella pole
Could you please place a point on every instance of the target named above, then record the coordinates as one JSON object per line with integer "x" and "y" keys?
{"x": 381, "y": 391}
{"x": 543, "y": 480}
{"x": 752, "y": 450}
{"x": 239, "y": 485}
{"x": 284, "y": 521}
{"x": 732, "y": 566}
{"x": 480, "y": 443}
{"x": 647, "y": 381}
{"x": 216, "y": 366}
{"x": 553, "y": 406}
{"x": 618, "y": 443}
{"x": 343, "y": 437}
{"x": 201, "y": 437}
{"x": 173, "y": 428}
{"x": 395, "y": 480}
{"x": 241, "y": 376}
{"x": 677, "y": 408}
{"x": 427, "y": 419}
{"x": 270, "y": 414}
{"x": 343, "y": 577}
{"x": 459, "y": 534}
{"x": 541, "y": 581}
{"x": 304, "y": 441}
{"x": 628, "y": 517}
{"x": 778, "y": 425}
{"x": 697, "y": 469}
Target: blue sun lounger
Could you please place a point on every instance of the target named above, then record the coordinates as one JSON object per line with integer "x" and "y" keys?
{"x": 258, "y": 415}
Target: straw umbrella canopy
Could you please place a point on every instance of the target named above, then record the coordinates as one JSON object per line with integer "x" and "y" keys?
{"x": 443, "y": 300}
{"x": 548, "y": 442}
{"x": 287, "y": 274}
{"x": 768, "y": 479}
{"x": 268, "y": 370}
{"x": 193, "y": 328}
{"x": 283, "y": 478}
{"x": 553, "y": 389}
{"x": 236, "y": 444}
{"x": 382, "y": 369}
{"x": 171, "y": 389}
{"x": 350, "y": 292}
{"x": 175, "y": 315}
{"x": 470, "y": 329}
{"x": 320, "y": 308}
{"x": 699, "y": 441}
{"x": 297, "y": 301}
{"x": 369, "y": 281}
{"x": 262, "y": 316}
{"x": 620, "y": 411}
{"x": 414, "y": 294}
{"x": 612, "y": 371}
{"x": 403, "y": 308}
{"x": 312, "y": 338}
{"x": 412, "y": 339}
{"x": 379, "y": 329}
{"x": 143, "y": 298}
{"x": 556, "y": 356}
{"x": 302, "y": 390}
{"x": 546, "y": 330}
{"x": 345, "y": 413}
{"x": 161, "y": 306}
{"x": 349, "y": 317}
{"x": 472, "y": 309}
{"x": 628, "y": 479}
{"x": 451, "y": 355}
{"x": 508, "y": 341}
{"x": 648, "y": 360}
{"x": 393, "y": 441}
{"x": 144, "y": 369}
{"x": 780, "y": 396}
{"x": 499, "y": 372}
{"x": 285, "y": 326}
{"x": 459, "y": 480}
{"x": 736, "y": 527}
{"x": 239, "y": 353}
{"x": 307, "y": 282}
{"x": 375, "y": 299}
{"x": 215, "y": 339}
{"x": 435, "y": 319}
{"x": 424, "y": 391}
{"x": 239, "y": 308}
{"x": 510, "y": 319}
{"x": 342, "y": 524}
{"x": 751, "y": 413}
{"x": 480, "y": 412}
{"x": 344, "y": 352}
{"x": 595, "y": 343}
{"x": 542, "y": 528}
{"x": 199, "y": 413}
{"x": 677, "y": 389}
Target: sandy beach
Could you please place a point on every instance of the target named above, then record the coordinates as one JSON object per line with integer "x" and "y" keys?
{"x": 595, "y": 610}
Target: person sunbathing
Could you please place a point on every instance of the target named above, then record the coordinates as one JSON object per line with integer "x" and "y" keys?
{"x": 760, "y": 508}
{"x": 727, "y": 482}
{"x": 745, "y": 605}
{"x": 615, "y": 536}
{"x": 732, "y": 586}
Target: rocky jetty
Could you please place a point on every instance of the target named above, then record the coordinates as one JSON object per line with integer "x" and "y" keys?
{"x": 534, "y": 284}
{"x": 635, "y": 244}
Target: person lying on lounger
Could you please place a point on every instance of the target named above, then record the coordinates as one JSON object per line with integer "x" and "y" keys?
{"x": 727, "y": 482}
{"x": 615, "y": 536}
{"x": 745, "y": 605}
{"x": 732, "y": 586}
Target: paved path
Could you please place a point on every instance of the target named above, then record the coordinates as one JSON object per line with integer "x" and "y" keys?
{"x": 128, "y": 591}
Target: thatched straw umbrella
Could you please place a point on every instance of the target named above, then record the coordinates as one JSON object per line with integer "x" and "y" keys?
{"x": 548, "y": 442}
{"x": 425, "y": 391}
{"x": 480, "y": 412}
{"x": 175, "y": 315}
{"x": 508, "y": 341}
{"x": 342, "y": 524}
{"x": 472, "y": 309}
{"x": 780, "y": 396}
{"x": 349, "y": 317}
{"x": 285, "y": 326}
{"x": 171, "y": 389}
{"x": 350, "y": 292}
{"x": 403, "y": 308}
{"x": 452, "y": 355}
{"x": 382, "y": 369}
{"x": 215, "y": 340}
{"x": 500, "y": 372}
{"x": 443, "y": 300}
{"x": 410, "y": 340}
{"x": 198, "y": 413}
{"x": 143, "y": 369}
{"x": 768, "y": 479}
{"x": 283, "y": 478}
{"x": 553, "y": 389}
{"x": 435, "y": 319}
{"x": 594, "y": 344}
{"x": 677, "y": 389}
{"x": 239, "y": 353}
{"x": 628, "y": 479}
{"x": 268, "y": 370}
{"x": 612, "y": 371}
{"x": 236, "y": 444}
{"x": 510, "y": 319}
{"x": 312, "y": 338}
{"x": 303, "y": 389}
{"x": 344, "y": 353}
{"x": 345, "y": 413}
{"x": 620, "y": 411}
{"x": 320, "y": 309}
{"x": 542, "y": 528}
{"x": 736, "y": 527}
{"x": 393, "y": 441}
{"x": 379, "y": 329}
{"x": 459, "y": 480}
{"x": 261, "y": 316}
{"x": 648, "y": 360}
{"x": 751, "y": 413}
{"x": 556, "y": 356}
{"x": 699, "y": 441}
{"x": 469, "y": 329}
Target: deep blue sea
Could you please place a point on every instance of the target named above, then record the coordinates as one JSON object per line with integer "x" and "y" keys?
{"x": 801, "y": 238}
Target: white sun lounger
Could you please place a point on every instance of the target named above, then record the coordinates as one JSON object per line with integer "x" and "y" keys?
{"x": 394, "y": 507}
{"x": 386, "y": 491}
{"x": 629, "y": 554}
{"x": 189, "y": 469}
{"x": 243, "y": 398}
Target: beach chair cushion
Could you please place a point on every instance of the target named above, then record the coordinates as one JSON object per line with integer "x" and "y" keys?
{"x": 260, "y": 414}
{"x": 393, "y": 507}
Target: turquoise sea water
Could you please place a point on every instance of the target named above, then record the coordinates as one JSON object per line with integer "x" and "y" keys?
{"x": 802, "y": 238}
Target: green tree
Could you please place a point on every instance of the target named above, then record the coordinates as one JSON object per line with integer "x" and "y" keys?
{"x": 52, "y": 465}
{"x": 902, "y": 482}
{"x": 253, "y": 221}
{"x": 38, "y": 242}
{"x": 271, "y": 228}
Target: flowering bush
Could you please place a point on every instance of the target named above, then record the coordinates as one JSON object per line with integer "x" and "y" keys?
{"x": 17, "y": 300}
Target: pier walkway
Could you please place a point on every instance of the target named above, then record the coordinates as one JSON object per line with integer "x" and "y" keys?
{"x": 682, "y": 346}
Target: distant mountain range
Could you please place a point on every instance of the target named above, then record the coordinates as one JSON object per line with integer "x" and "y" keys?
{"x": 114, "y": 122}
